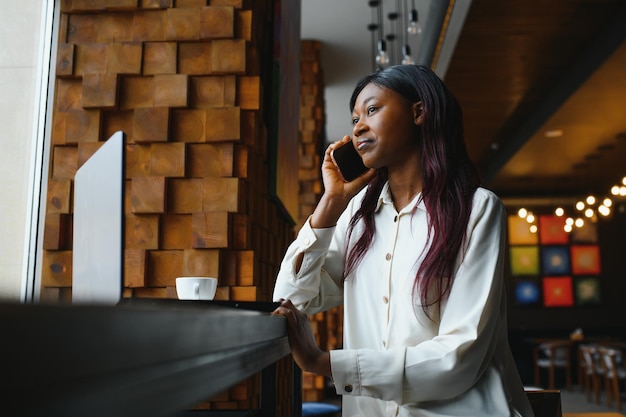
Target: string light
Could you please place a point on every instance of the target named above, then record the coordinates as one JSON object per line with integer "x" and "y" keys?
{"x": 390, "y": 39}
{"x": 590, "y": 208}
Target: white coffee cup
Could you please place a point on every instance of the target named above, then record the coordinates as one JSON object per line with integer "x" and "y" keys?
{"x": 196, "y": 288}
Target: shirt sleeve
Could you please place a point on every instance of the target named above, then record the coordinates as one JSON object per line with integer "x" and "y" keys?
{"x": 455, "y": 359}
{"x": 317, "y": 285}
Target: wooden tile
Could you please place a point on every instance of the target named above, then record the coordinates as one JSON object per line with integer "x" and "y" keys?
{"x": 207, "y": 92}
{"x": 135, "y": 268}
{"x": 69, "y": 94}
{"x": 159, "y": 58}
{"x": 57, "y": 233}
{"x": 191, "y": 3}
{"x": 148, "y": 195}
{"x": 210, "y": 160}
{"x": 122, "y": 4}
{"x": 91, "y": 59}
{"x": 99, "y": 90}
{"x": 59, "y": 119}
{"x": 201, "y": 263}
{"x": 56, "y": 270}
{"x": 223, "y": 194}
{"x": 243, "y": 25}
{"x": 163, "y": 267}
{"x": 115, "y": 27}
{"x": 82, "y": 126}
{"x": 243, "y": 293}
{"x": 149, "y": 25}
{"x": 136, "y": 92}
{"x": 141, "y": 231}
{"x": 156, "y": 4}
{"x": 175, "y": 231}
{"x": 223, "y": 124}
{"x": 59, "y": 196}
{"x": 167, "y": 159}
{"x": 230, "y": 90}
{"x": 183, "y": 24}
{"x": 65, "y": 60}
{"x": 88, "y": 5}
{"x": 249, "y": 93}
{"x": 194, "y": 58}
{"x": 228, "y": 56}
{"x": 234, "y": 3}
{"x": 137, "y": 160}
{"x": 184, "y": 195}
{"x": 151, "y": 125}
{"x": 217, "y": 22}
{"x": 64, "y": 162}
{"x": 83, "y": 28}
{"x": 188, "y": 125}
{"x": 124, "y": 58}
{"x": 210, "y": 230}
{"x": 171, "y": 90}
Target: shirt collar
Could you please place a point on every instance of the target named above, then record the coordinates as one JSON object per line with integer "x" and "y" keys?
{"x": 385, "y": 198}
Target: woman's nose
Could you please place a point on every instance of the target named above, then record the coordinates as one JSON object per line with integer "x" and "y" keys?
{"x": 358, "y": 128}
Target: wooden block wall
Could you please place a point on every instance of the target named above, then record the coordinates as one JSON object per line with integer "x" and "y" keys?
{"x": 328, "y": 326}
{"x": 183, "y": 80}
{"x": 311, "y": 146}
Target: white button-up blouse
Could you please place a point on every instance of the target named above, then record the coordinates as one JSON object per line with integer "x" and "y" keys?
{"x": 395, "y": 360}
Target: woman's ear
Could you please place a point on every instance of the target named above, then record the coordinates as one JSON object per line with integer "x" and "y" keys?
{"x": 418, "y": 109}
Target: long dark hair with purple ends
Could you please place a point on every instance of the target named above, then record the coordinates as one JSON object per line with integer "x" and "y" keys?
{"x": 448, "y": 174}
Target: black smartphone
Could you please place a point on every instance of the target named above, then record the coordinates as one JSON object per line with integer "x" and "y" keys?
{"x": 348, "y": 161}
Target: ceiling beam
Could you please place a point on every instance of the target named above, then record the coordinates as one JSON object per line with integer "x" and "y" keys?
{"x": 589, "y": 61}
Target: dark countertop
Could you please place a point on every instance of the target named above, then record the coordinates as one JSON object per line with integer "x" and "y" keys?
{"x": 139, "y": 358}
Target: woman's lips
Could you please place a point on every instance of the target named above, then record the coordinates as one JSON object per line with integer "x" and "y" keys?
{"x": 362, "y": 144}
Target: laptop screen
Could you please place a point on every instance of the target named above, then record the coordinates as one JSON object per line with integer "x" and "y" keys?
{"x": 98, "y": 240}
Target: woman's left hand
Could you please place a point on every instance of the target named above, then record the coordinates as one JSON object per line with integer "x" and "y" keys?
{"x": 304, "y": 349}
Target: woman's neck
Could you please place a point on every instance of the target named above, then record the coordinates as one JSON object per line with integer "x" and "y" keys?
{"x": 404, "y": 189}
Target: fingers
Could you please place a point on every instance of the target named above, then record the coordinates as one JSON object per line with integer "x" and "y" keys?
{"x": 286, "y": 307}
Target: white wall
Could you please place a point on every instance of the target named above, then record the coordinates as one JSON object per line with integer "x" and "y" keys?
{"x": 20, "y": 57}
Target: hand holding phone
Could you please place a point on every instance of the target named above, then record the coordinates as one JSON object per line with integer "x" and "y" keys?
{"x": 349, "y": 162}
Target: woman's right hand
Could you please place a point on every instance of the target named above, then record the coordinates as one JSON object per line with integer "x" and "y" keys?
{"x": 337, "y": 192}
{"x": 334, "y": 184}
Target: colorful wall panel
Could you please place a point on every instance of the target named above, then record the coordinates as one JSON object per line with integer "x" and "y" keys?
{"x": 553, "y": 268}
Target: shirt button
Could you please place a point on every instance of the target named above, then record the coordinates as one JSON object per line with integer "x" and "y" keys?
{"x": 395, "y": 219}
{"x": 384, "y": 343}
{"x": 385, "y": 299}
{"x": 348, "y": 388}
{"x": 388, "y": 257}
{"x": 307, "y": 241}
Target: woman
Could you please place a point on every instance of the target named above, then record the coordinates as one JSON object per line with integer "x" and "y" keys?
{"x": 413, "y": 248}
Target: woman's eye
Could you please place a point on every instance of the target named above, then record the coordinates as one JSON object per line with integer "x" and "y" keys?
{"x": 371, "y": 110}
{"x": 355, "y": 120}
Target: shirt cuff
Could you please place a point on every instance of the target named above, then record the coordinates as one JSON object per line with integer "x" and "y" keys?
{"x": 309, "y": 237}
{"x": 344, "y": 365}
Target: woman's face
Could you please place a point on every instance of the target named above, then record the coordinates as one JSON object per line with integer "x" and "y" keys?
{"x": 385, "y": 127}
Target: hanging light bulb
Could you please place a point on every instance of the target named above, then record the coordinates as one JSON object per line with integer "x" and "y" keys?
{"x": 604, "y": 210}
{"x": 414, "y": 27}
{"x": 406, "y": 55}
{"x": 522, "y": 213}
{"x": 382, "y": 58}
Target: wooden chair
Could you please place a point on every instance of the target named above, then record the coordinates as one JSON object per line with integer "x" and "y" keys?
{"x": 614, "y": 374}
{"x": 552, "y": 355}
{"x": 545, "y": 403}
{"x": 593, "y": 371}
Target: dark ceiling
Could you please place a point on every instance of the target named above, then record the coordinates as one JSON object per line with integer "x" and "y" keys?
{"x": 524, "y": 68}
